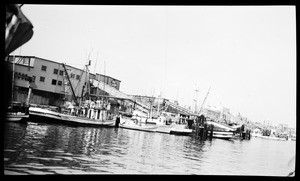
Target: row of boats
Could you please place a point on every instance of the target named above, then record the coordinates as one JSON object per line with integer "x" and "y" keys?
{"x": 101, "y": 117}
{"x": 259, "y": 134}
{"x": 95, "y": 117}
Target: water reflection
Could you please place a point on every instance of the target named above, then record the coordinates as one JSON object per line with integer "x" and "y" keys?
{"x": 56, "y": 149}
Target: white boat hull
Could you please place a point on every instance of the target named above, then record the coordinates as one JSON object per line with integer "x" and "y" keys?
{"x": 16, "y": 117}
{"x": 180, "y": 130}
{"x": 268, "y": 137}
{"x": 222, "y": 134}
{"x": 64, "y": 118}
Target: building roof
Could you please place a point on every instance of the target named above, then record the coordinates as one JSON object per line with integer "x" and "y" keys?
{"x": 60, "y": 63}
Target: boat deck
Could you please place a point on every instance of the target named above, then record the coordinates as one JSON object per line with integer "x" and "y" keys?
{"x": 40, "y": 115}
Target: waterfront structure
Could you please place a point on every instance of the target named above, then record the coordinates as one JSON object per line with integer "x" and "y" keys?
{"x": 211, "y": 112}
{"x": 159, "y": 105}
{"x": 50, "y": 80}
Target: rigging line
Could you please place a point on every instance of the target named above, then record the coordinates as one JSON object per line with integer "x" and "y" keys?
{"x": 166, "y": 50}
{"x": 88, "y": 59}
{"x": 96, "y": 63}
{"x": 98, "y": 78}
{"x": 204, "y": 101}
{"x": 80, "y": 78}
{"x": 104, "y": 75}
{"x": 99, "y": 73}
{"x": 83, "y": 70}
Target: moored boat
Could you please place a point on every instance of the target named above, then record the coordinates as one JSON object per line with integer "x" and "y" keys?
{"x": 49, "y": 116}
{"x": 221, "y": 131}
{"x": 136, "y": 124}
{"x": 259, "y": 134}
{"x": 180, "y": 130}
{"x": 17, "y": 112}
{"x": 222, "y": 134}
{"x": 16, "y": 117}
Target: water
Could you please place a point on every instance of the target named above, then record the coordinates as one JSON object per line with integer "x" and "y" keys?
{"x": 57, "y": 149}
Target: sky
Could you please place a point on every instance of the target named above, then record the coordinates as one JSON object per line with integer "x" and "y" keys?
{"x": 245, "y": 55}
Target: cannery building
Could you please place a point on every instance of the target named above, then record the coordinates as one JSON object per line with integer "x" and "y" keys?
{"x": 54, "y": 82}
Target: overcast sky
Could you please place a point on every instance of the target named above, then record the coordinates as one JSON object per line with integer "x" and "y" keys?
{"x": 246, "y": 54}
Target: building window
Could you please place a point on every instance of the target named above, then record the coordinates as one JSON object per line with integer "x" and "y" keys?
{"x": 55, "y": 71}
{"x": 11, "y": 58}
{"x": 42, "y": 79}
{"x": 72, "y": 76}
{"x": 59, "y": 83}
{"x": 53, "y": 82}
{"x": 44, "y": 68}
{"x": 77, "y": 77}
{"x": 61, "y": 72}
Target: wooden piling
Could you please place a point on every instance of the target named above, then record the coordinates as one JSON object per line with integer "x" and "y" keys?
{"x": 204, "y": 135}
{"x": 243, "y": 135}
{"x": 117, "y": 122}
{"x": 249, "y": 134}
{"x": 211, "y": 131}
{"x": 197, "y": 129}
{"x": 201, "y": 133}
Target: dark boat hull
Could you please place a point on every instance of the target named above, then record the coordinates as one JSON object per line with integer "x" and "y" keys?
{"x": 180, "y": 133}
{"x": 68, "y": 120}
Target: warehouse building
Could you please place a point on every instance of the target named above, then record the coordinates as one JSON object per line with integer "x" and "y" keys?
{"x": 51, "y": 80}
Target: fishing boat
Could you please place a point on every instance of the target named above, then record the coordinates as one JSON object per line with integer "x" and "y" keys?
{"x": 272, "y": 138}
{"x": 50, "y": 116}
{"x": 84, "y": 112}
{"x": 293, "y": 137}
{"x": 16, "y": 117}
{"x": 259, "y": 134}
{"x": 18, "y": 111}
{"x": 221, "y": 131}
{"x": 178, "y": 129}
{"x": 256, "y": 133}
{"x": 135, "y": 123}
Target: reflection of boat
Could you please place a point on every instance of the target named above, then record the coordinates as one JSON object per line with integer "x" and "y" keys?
{"x": 180, "y": 130}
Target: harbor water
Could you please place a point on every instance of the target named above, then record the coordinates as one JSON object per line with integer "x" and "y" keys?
{"x": 35, "y": 148}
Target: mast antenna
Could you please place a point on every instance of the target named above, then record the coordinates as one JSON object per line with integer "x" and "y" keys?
{"x": 204, "y": 100}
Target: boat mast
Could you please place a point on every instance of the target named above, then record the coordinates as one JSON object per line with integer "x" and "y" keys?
{"x": 68, "y": 78}
{"x": 105, "y": 78}
{"x": 88, "y": 81}
{"x": 204, "y": 100}
{"x": 87, "y": 78}
{"x": 158, "y": 106}
{"x": 96, "y": 77}
{"x": 195, "y": 100}
{"x": 13, "y": 77}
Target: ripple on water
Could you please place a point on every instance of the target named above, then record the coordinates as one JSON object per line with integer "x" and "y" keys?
{"x": 53, "y": 149}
